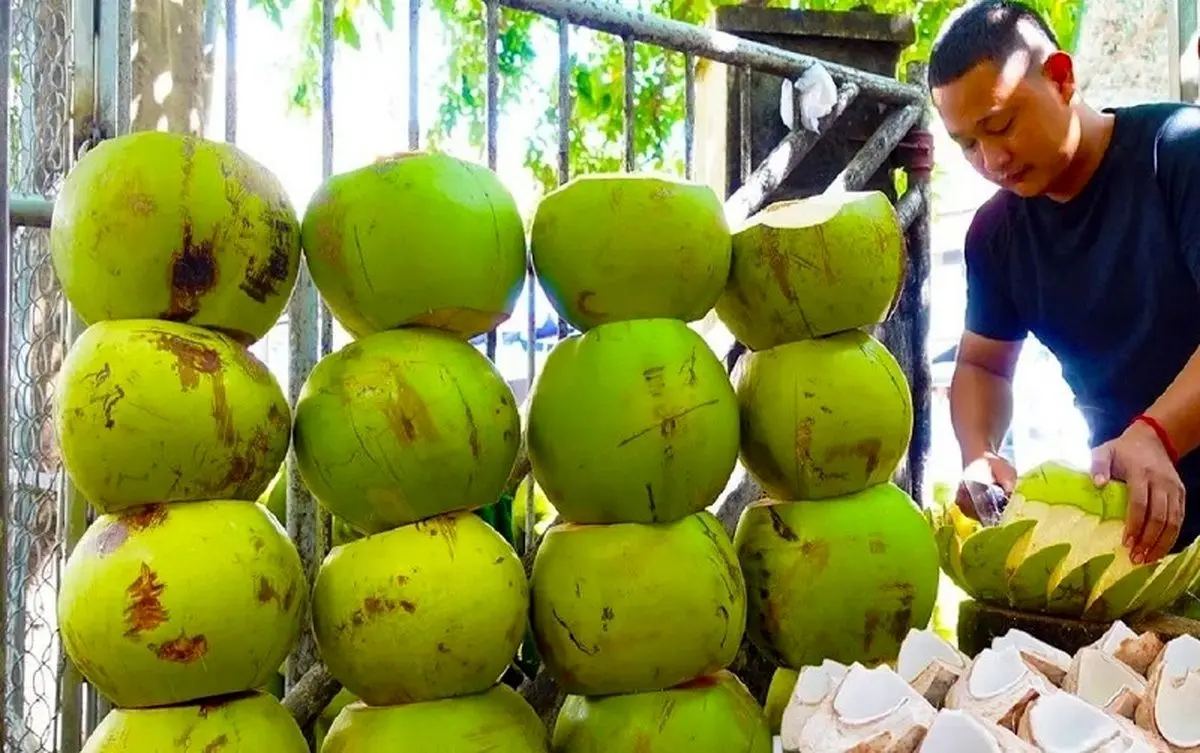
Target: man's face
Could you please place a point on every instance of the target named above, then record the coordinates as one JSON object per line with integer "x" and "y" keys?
{"x": 1014, "y": 123}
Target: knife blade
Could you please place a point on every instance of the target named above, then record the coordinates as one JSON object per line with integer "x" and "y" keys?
{"x": 988, "y": 500}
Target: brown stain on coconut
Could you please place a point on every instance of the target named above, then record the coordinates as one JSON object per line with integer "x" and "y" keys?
{"x": 218, "y": 744}
{"x": 263, "y": 279}
{"x": 193, "y": 272}
{"x": 110, "y": 538}
{"x": 192, "y": 361}
{"x": 405, "y": 411}
{"x": 145, "y": 610}
{"x": 182, "y": 650}
{"x": 867, "y": 450}
{"x": 267, "y": 593}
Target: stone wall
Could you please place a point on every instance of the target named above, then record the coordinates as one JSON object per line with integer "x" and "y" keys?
{"x": 1122, "y": 53}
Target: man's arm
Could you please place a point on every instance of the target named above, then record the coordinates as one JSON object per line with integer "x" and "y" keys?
{"x": 981, "y": 400}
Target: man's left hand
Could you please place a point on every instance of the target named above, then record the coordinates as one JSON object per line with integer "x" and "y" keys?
{"x": 1156, "y": 493}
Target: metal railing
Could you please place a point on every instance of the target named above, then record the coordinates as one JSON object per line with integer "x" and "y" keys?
{"x": 71, "y": 86}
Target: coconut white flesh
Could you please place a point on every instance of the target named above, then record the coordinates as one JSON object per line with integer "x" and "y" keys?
{"x": 1171, "y": 708}
{"x": 1117, "y": 633}
{"x": 997, "y": 686}
{"x": 874, "y": 708}
{"x": 1060, "y": 722}
{"x": 1103, "y": 681}
{"x": 811, "y": 211}
{"x": 813, "y": 685}
{"x": 957, "y": 731}
{"x": 930, "y": 664}
{"x": 1135, "y": 651}
{"x": 1050, "y": 661}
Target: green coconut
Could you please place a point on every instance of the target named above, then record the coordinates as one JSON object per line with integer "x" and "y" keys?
{"x": 152, "y": 411}
{"x": 779, "y": 694}
{"x": 252, "y": 723}
{"x": 633, "y": 422}
{"x": 814, "y": 267}
{"x": 544, "y": 514}
{"x": 325, "y": 721}
{"x": 824, "y": 417}
{"x": 606, "y": 624}
{"x": 430, "y": 610}
{"x": 416, "y": 238}
{"x": 405, "y": 425}
{"x": 157, "y": 225}
{"x": 496, "y": 720}
{"x": 169, "y": 604}
{"x": 1059, "y": 549}
{"x": 615, "y": 247}
{"x": 842, "y": 579}
{"x": 712, "y": 714}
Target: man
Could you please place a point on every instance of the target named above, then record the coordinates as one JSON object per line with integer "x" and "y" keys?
{"x": 1093, "y": 245}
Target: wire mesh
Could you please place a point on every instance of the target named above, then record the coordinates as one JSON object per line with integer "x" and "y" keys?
{"x": 39, "y": 154}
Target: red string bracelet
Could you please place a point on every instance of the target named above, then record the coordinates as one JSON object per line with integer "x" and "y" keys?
{"x": 1163, "y": 437}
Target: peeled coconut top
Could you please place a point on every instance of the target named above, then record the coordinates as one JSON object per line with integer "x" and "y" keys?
{"x": 810, "y": 211}
{"x": 1058, "y": 484}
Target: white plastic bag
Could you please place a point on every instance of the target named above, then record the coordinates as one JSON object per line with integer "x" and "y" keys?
{"x": 818, "y": 96}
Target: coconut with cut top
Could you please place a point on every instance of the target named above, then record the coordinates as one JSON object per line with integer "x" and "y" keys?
{"x": 930, "y": 664}
{"x": 1133, "y": 650}
{"x": 813, "y": 267}
{"x": 813, "y": 685}
{"x": 1105, "y": 682}
{"x": 1060, "y": 722}
{"x": 871, "y": 710}
{"x": 1050, "y": 661}
{"x": 1058, "y": 549}
{"x": 998, "y": 686}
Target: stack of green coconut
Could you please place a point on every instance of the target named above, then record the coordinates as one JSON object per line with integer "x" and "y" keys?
{"x": 183, "y": 597}
{"x": 839, "y": 562}
{"x": 402, "y": 434}
{"x": 638, "y": 603}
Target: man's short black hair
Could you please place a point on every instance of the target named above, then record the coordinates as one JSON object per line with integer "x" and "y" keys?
{"x": 986, "y": 30}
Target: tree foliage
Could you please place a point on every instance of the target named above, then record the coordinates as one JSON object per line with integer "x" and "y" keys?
{"x": 596, "y": 71}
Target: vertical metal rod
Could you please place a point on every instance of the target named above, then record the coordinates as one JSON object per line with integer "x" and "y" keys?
{"x": 5, "y": 342}
{"x": 630, "y": 115}
{"x": 564, "y": 172}
{"x": 303, "y": 519}
{"x": 325, "y": 339}
{"x": 231, "y": 78}
{"x": 492, "y": 124}
{"x": 124, "y": 66}
{"x": 745, "y": 142}
{"x": 414, "y": 75}
{"x": 689, "y": 116}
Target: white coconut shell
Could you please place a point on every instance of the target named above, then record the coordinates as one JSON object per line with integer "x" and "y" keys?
{"x": 1050, "y": 661}
{"x": 958, "y": 731}
{"x": 1104, "y": 681}
{"x": 1170, "y": 709}
{"x": 1059, "y": 722}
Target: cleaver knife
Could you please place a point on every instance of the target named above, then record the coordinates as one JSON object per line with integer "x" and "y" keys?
{"x": 988, "y": 500}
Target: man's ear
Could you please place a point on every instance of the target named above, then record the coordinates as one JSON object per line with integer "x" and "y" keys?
{"x": 1059, "y": 70}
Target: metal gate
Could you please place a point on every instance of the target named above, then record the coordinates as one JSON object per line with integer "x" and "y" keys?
{"x": 68, "y": 86}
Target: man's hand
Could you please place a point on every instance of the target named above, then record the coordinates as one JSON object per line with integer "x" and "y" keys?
{"x": 1156, "y": 493}
{"x": 989, "y": 468}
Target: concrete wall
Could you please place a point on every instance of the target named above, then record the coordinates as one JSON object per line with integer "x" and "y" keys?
{"x": 1123, "y": 51}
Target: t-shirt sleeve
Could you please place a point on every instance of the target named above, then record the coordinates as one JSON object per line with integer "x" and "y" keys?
{"x": 1178, "y": 166}
{"x": 991, "y": 311}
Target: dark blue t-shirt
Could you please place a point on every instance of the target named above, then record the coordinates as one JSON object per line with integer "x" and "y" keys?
{"x": 1109, "y": 281}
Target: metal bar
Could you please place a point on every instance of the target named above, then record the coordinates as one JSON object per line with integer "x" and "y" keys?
{"x": 107, "y": 54}
{"x": 29, "y": 211}
{"x": 782, "y": 160}
{"x": 630, "y": 105}
{"x": 689, "y": 116}
{"x": 910, "y": 206}
{"x": 745, "y": 142}
{"x": 303, "y": 345}
{"x": 564, "y": 175}
{"x": 716, "y": 45}
{"x": 231, "y": 78}
{"x": 905, "y": 333}
{"x": 124, "y": 66}
{"x": 414, "y": 75}
{"x": 73, "y": 522}
{"x": 492, "y": 124}
{"x": 877, "y": 149}
{"x": 6, "y": 392}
